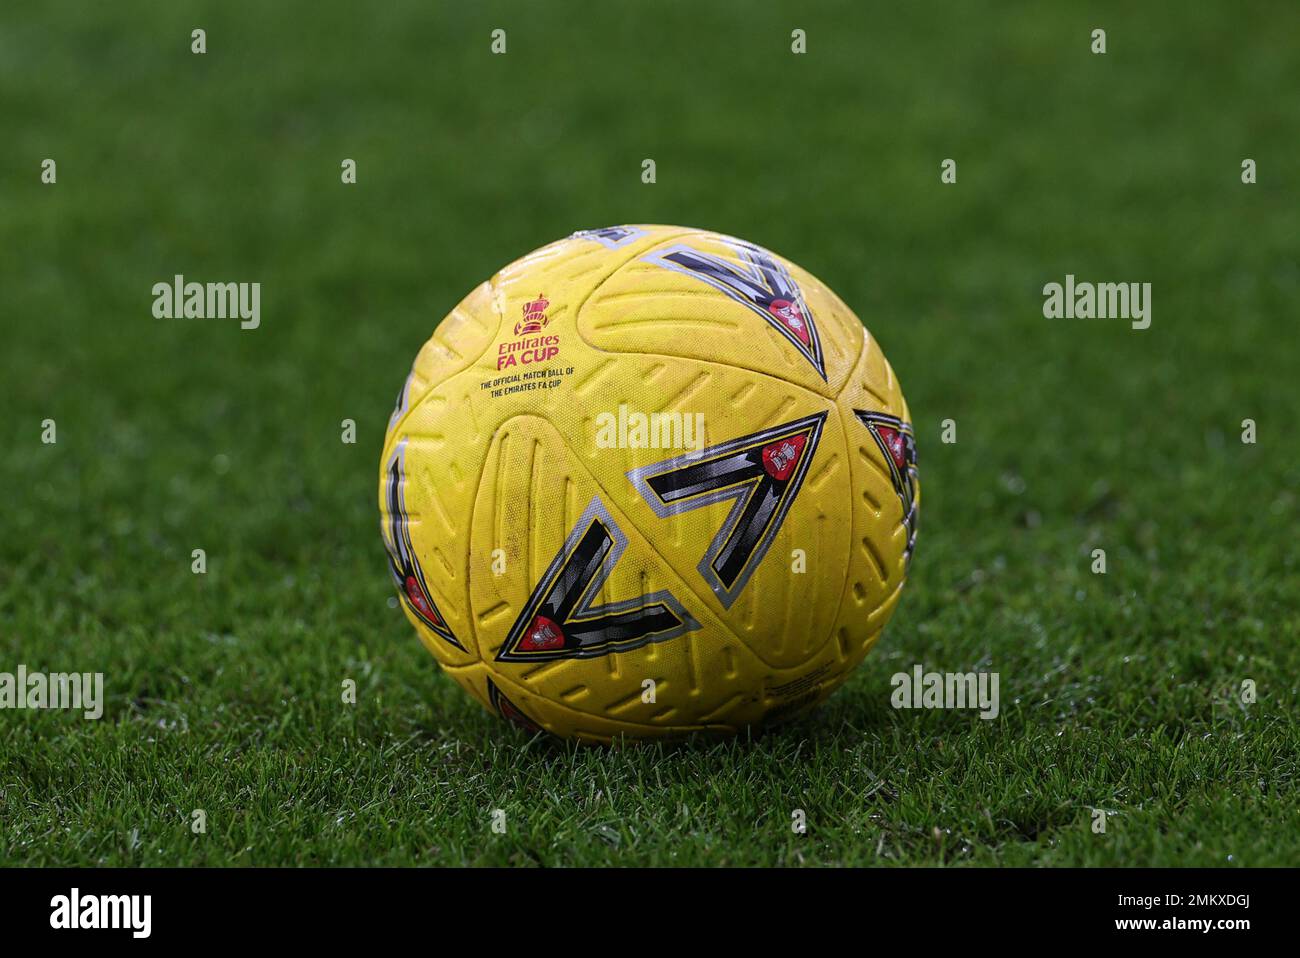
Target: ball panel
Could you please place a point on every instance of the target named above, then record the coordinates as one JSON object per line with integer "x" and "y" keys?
{"x": 711, "y": 297}
{"x": 886, "y": 493}
{"x": 424, "y": 486}
{"x": 520, "y": 705}
{"x": 457, "y": 342}
{"x": 586, "y": 627}
{"x": 739, "y": 532}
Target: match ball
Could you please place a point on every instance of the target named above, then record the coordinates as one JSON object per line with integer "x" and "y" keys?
{"x": 647, "y": 481}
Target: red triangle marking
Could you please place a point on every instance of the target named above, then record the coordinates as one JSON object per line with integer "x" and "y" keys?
{"x": 789, "y": 315}
{"x": 780, "y": 457}
{"x": 542, "y": 634}
{"x": 894, "y": 443}
{"x": 421, "y": 601}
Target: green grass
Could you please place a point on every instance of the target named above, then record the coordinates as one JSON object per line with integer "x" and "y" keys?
{"x": 1118, "y": 691}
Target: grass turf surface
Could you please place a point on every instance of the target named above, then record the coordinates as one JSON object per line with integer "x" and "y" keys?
{"x": 1118, "y": 691}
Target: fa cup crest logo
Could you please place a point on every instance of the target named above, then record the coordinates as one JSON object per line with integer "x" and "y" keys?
{"x": 535, "y": 318}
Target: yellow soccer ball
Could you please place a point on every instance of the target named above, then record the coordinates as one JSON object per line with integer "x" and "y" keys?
{"x": 649, "y": 480}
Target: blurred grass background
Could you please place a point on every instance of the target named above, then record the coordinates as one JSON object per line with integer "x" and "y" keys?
{"x": 1118, "y": 690}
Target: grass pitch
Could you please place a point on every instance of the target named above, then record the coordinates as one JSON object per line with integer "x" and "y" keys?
{"x": 1120, "y": 692}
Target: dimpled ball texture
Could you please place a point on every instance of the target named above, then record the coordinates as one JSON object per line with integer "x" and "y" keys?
{"x": 649, "y": 480}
